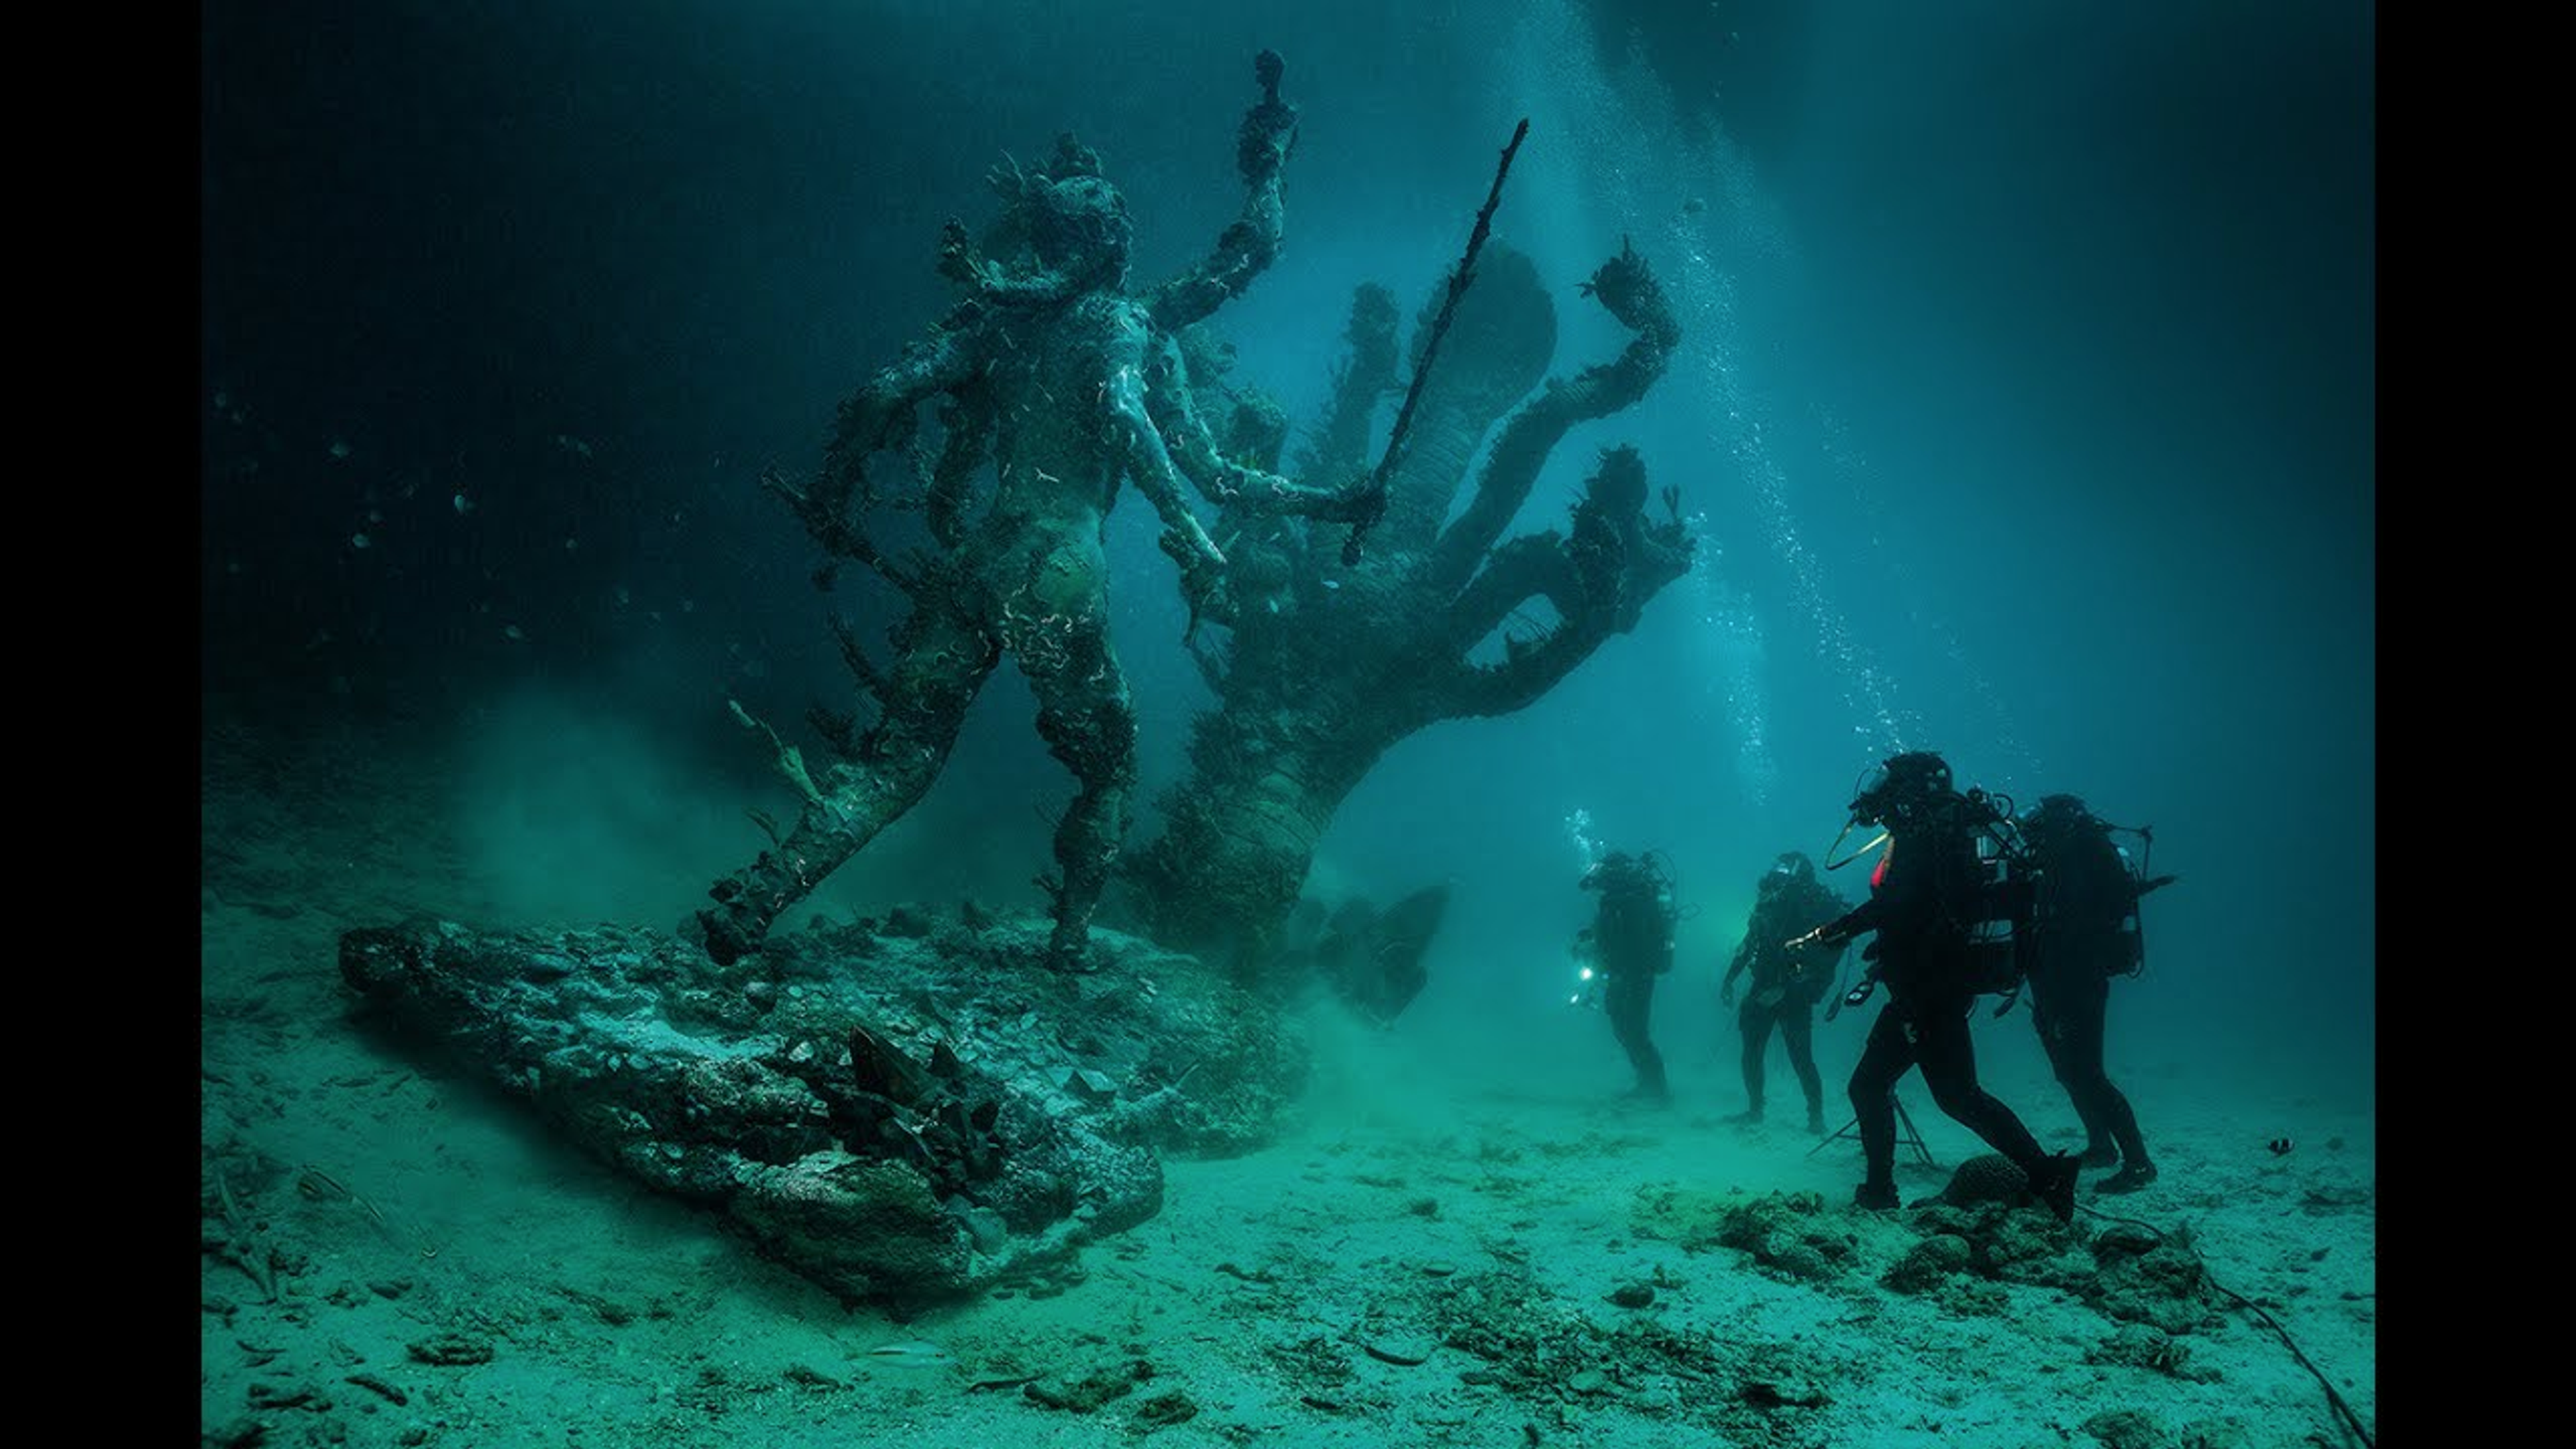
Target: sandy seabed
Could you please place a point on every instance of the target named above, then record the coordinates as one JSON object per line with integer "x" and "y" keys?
{"x": 1429, "y": 1255}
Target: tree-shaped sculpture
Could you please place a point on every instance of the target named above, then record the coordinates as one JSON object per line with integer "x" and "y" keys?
{"x": 1325, "y": 665}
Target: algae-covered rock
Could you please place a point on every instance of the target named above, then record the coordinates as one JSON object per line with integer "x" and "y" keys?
{"x": 1929, "y": 1264}
{"x": 885, "y": 1113}
{"x": 1983, "y": 1228}
{"x": 1986, "y": 1178}
{"x": 2150, "y": 1278}
{"x": 866, "y": 1228}
{"x": 1787, "y": 1234}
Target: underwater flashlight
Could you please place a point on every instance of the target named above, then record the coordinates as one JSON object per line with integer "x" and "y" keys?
{"x": 1588, "y": 986}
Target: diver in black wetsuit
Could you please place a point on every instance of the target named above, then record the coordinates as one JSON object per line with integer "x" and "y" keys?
{"x": 2075, "y": 943}
{"x": 1924, "y": 906}
{"x": 1632, "y": 941}
{"x": 1788, "y": 980}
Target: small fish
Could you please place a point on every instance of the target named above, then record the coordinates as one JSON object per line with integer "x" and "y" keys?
{"x": 912, "y": 1353}
{"x": 339, "y": 451}
{"x": 464, "y": 505}
{"x": 513, "y": 632}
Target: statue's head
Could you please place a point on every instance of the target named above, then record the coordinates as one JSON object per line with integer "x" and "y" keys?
{"x": 1078, "y": 225}
{"x": 1063, "y": 217}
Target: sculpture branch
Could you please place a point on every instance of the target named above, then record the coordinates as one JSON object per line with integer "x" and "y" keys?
{"x": 1626, "y": 286}
{"x": 1534, "y": 566}
{"x": 1365, "y": 375}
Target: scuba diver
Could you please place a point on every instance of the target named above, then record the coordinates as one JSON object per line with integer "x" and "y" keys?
{"x": 2082, "y": 932}
{"x": 1926, "y": 904}
{"x": 1631, "y": 939}
{"x": 1788, "y": 979}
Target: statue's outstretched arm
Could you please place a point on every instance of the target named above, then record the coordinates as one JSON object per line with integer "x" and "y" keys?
{"x": 1150, "y": 464}
{"x": 880, "y": 414}
{"x": 1251, "y": 244}
{"x": 1173, "y": 408}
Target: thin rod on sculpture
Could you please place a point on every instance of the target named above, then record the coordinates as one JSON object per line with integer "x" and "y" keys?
{"x": 1430, "y": 349}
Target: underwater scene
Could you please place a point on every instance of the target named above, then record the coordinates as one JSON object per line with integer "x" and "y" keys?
{"x": 1610, "y": 723}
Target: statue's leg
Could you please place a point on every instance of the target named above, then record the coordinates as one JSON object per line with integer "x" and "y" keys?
{"x": 945, "y": 654}
{"x": 1058, "y": 630}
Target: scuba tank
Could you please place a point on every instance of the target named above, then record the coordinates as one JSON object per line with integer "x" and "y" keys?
{"x": 2091, "y": 886}
{"x": 2005, "y": 894}
{"x": 2131, "y": 956}
{"x": 1667, "y": 915}
{"x": 1657, "y": 869}
{"x": 2111, "y": 871}
{"x": 1993, "y": 946}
